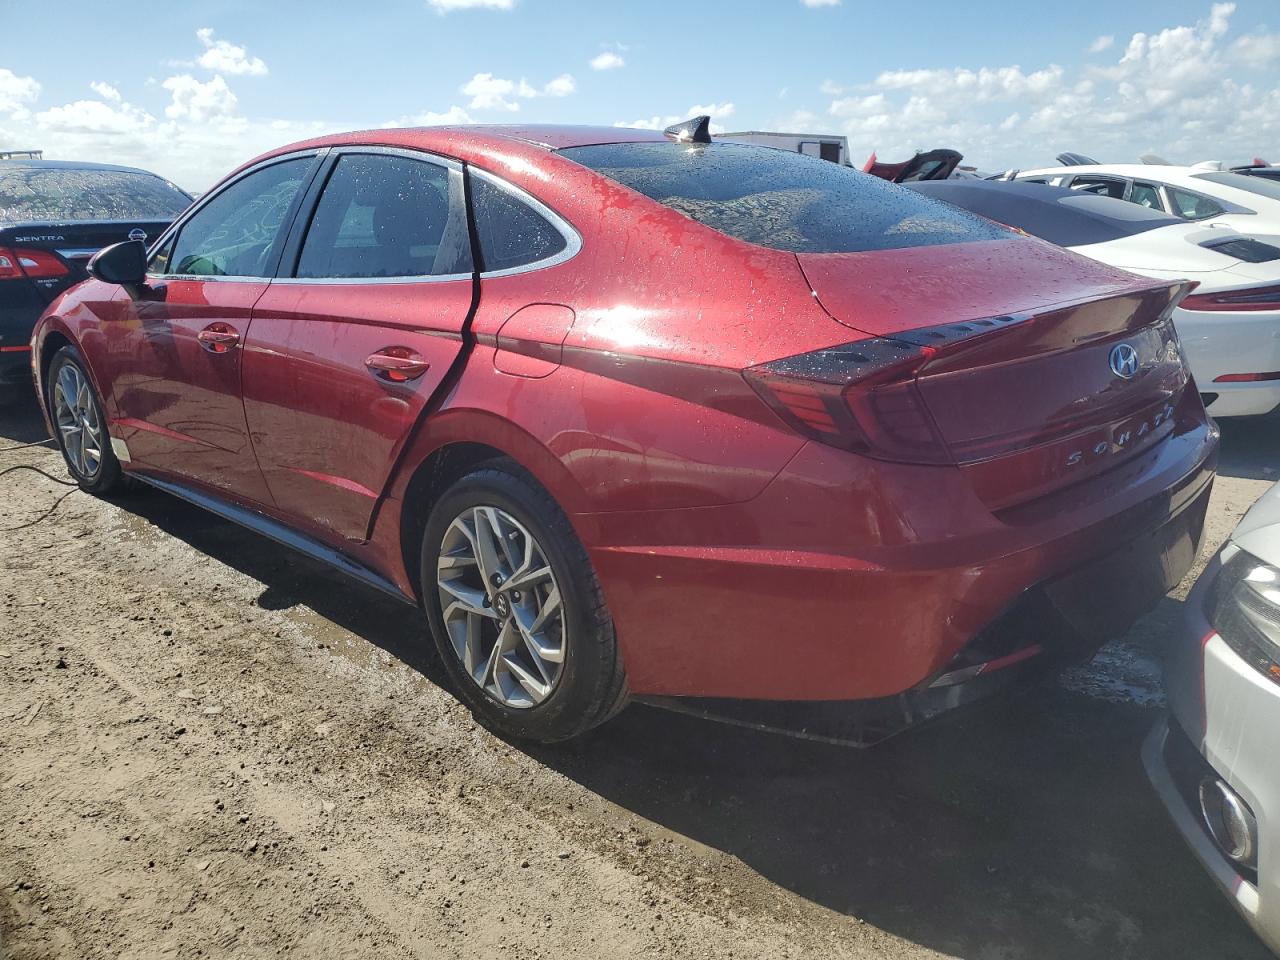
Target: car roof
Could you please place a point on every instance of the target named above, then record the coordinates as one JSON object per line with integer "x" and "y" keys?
{"x": 1137, "y": 170}
{"x": 542, "y": 135}
{"x": 71, "y": 165}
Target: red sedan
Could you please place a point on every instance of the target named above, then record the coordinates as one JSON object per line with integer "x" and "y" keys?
{"x": 644, "y": 415}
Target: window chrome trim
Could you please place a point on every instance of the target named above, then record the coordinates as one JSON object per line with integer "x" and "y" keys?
{"x": 421, "y": 156}
{"x": 207, "y": 197}
{"x": 573, "y": 239}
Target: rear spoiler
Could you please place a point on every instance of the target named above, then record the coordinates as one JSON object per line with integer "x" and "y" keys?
{"x": 929, "y": 165}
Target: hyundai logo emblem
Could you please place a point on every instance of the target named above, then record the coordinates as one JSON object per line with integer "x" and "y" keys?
{"x": 1124, "y": 361}
{"x": 137, "y": 233}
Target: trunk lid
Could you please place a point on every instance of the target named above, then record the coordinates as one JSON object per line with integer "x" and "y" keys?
{"x": 1051, "y": 368}
{"x": 72, "y": 243}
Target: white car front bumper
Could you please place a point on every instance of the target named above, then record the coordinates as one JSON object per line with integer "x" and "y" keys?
{"x": 1230, "y": 713}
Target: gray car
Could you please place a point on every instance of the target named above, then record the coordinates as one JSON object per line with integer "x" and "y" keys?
{"x": 1215, "y": 761}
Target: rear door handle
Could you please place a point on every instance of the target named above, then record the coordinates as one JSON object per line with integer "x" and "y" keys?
{"x": 397, "y": 364}
{"x": 218, "y": 337}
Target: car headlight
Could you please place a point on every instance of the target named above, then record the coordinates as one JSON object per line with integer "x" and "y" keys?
{"x": 1244, "y": 609}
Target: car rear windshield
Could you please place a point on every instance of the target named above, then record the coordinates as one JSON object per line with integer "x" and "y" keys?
{"x": 66, "y": 194}
{"x": 783, "y": 200}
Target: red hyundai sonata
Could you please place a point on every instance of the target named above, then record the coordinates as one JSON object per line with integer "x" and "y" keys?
{"x": 644, "y": 415}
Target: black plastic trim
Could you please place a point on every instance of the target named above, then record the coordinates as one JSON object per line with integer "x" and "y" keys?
{"x": 281, "y": 534}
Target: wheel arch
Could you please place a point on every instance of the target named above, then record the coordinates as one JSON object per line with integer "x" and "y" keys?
{"x": 454, "y": 444}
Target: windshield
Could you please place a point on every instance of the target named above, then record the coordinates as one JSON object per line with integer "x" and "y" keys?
{"x": 1262, "y": 186}
{"x": 70, "y": 193}
{"x": 783, "y": 200}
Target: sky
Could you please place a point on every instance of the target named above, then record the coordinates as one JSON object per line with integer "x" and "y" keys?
{"x": 191, "y": 90}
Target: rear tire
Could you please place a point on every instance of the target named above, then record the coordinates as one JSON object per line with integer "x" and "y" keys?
{"x": 80, "y": 427}
{"x": 516, "y": 611}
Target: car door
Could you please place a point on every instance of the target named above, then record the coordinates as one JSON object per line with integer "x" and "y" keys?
{"x": 347, "y": 347}
{"x": 177, "y": 350}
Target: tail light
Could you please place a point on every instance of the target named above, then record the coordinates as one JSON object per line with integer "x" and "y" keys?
{"x": 1248, "y": 377}
{"x": 1253, "y": 298}
{"x": 861, "y": 397}
{"x": 19, "y": 262}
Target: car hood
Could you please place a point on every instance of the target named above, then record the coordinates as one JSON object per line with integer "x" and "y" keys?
{"x": 1259, "y": 531}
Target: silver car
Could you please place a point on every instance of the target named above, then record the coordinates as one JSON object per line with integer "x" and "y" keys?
{"x": 1215, "y": 762}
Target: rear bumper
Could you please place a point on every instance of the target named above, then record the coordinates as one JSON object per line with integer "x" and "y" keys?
{"x": 1244, "y": 399}
{"x": 19, "y": 310}
{"x": 15, "y": 367}
{"x": 812, "y": 622}
{"x": 1229, "y": 343}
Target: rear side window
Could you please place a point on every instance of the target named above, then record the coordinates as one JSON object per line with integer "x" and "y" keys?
{"x": 384, "y": 216}
{"x": 512, "y": 234}
{"x": 233, "y": 235}
{"x": 783, "y": 200}
{"x": 1193, "y": 206}
{"x": 44, "y": 193}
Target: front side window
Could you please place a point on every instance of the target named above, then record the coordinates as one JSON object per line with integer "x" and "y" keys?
{"x": 234, "y": 234}
{"x": 383, "y": 216}
{"x": 783, "y": 200}
{"x": 1193, "y": 206}
{"x": 512, "y": 234}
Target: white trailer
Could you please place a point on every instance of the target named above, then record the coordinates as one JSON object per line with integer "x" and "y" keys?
{"x": 822, "y": 146}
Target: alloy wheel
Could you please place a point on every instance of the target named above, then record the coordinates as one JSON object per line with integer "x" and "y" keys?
{"x": 77, "y": 419}
{"x": 501, "y": 606}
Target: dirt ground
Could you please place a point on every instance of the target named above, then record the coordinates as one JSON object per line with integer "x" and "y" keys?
{"x": 210, "y": 747}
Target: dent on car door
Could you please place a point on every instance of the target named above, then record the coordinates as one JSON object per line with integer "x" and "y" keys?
{"x": 349, "y": 345}
{"x": 178, "y": 350}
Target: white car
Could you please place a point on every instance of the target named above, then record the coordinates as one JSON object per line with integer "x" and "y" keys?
{"x": 1206, "y": 193}
{"x": 1215, "y": 762}
{"x": 1230, "y": 324}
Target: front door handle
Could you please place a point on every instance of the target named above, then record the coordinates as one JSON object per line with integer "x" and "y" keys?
{"x": 397, "y": 364}
{"x": 218, "y": 337}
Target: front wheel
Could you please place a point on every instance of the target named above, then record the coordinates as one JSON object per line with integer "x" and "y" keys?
{"x": 81, "y": 428}
{"x": 516, "y": 610}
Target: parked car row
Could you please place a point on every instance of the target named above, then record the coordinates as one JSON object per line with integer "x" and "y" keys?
{"x": 54, "y": 216}
{"x": 641, "y": 414}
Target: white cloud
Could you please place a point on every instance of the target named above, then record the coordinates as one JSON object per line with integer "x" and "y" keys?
{"x": 1169, "y": 91}
{"x": 561, "y": 86}
{"x": 488, "y": 92}
{"x": 16, "y": 92}
{"x": 94, "y": 117}
{"x": 607, "y": 61}
{"x": 1102, "y": 43}
{"x": 223, "y": 57}
{"x": 197, "y": 101}
{"x": 1257, "y": 50}
{"x": 716, "y": 111}
{"x": 821, "y": 3}
{"x": 448, "y": 6}
{"x": 105, "y": 91}
{"x": 453, "y": 115}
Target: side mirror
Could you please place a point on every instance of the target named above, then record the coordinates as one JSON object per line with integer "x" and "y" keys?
{"x": 122, "y": 263}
